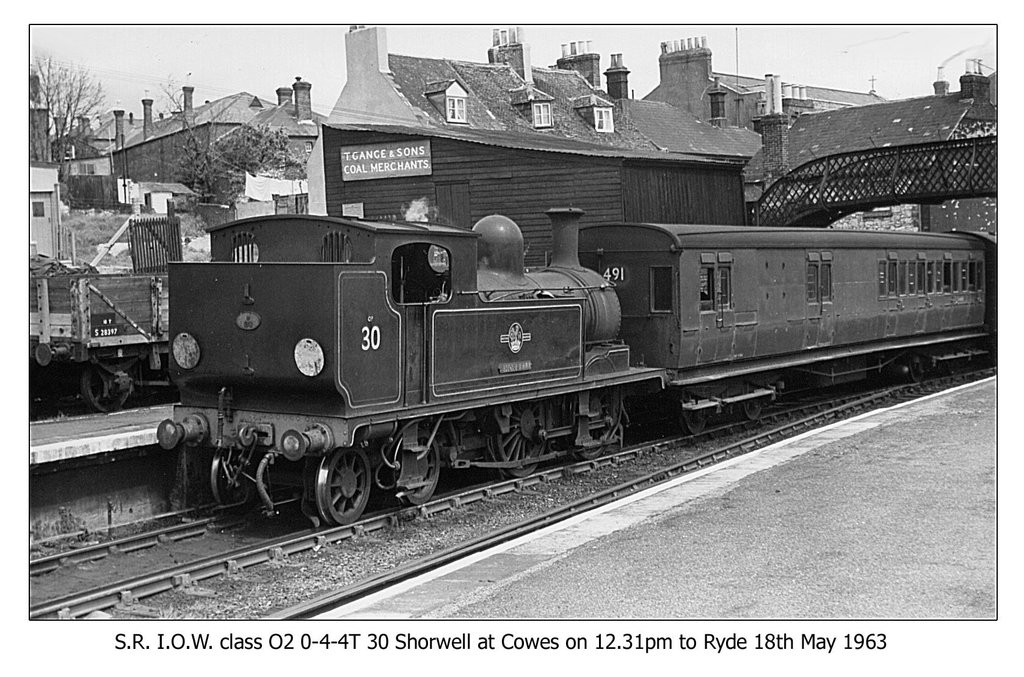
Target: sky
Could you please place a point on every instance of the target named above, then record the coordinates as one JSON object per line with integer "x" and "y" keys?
{"x": 135, "y": 61}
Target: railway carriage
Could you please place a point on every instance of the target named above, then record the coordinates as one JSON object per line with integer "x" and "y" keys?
{"x": 336, "y": 355}
{"x": 735, "y": 313}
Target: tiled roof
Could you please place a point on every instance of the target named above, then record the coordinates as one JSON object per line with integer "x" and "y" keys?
{"x": 495, "y": 93}
{"x": 893, "y": 123}
{"x": 676, "y": 130}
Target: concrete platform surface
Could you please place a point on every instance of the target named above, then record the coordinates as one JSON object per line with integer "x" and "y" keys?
{"x": 68, "y": 438}
{"x": 891, "y": 515}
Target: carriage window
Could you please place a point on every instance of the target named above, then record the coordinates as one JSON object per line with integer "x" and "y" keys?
{"x": 903, "y": 278}
{"x": 661, "y": 289}
{"x": 947, "y": 276}
{"x": 893, "y": 267}
{"x": 881, "y": 279}
{"x": 244, "y": 248}
{"x": 963, "y": 276}
{"x": 724, "y": 300}
{"x": 972, "y": 277}
{"x": 931, "y": 277}
{"x": 981, "y": 276}
{"x": 826, "y": 282}
{"x": 421, "y": 273}
{"x": 921, "y": 289}
{"x": 911, "y": 278}
{"x": 812, "y": 282}
{"x": 707, "y": 288}
{"x": 336, "y": 248}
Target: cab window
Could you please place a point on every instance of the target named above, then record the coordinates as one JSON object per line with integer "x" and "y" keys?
{"x": 421, "y": 273}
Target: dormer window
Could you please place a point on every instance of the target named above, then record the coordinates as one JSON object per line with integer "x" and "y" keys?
{"x": 603, "y": 120}
{"x": 455, "y": 108}
{"x": 542, "y": 114}
{"x": 596, "y": 111}
{"x": 450, "y": 99}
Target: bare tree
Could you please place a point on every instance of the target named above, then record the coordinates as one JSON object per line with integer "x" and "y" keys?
{"x": 69, "y": 92}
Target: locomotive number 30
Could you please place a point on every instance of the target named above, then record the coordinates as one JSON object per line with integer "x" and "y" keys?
{"x": 371, "y": 338}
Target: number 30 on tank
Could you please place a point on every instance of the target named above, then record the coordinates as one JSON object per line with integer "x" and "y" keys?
{"x": 371, "y": 338}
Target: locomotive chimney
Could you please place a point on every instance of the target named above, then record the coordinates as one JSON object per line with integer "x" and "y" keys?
{"x": 565, "y": 233}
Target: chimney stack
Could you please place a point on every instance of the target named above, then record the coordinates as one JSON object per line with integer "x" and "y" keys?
{"x": 579, "y": 57}
{"x": 284, "y": 96}
{"x": 303, "y": 101}
{"x": 508, "y": 47}
{"x": 147, "y": 118}
{"x": 773, "y": 94}
{"x": 617, "y": 77}
{"x": 717, "y": 97}
{"x": 974, "y": 85}
{"x": 941, "y": 85}
{"x": 367, "y": 47}
{"x": 686, "y": 65}
{"x": 119, "y": 129}
{"x": 189, "y": 114}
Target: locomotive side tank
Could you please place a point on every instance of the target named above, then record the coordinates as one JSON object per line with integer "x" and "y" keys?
{"x": 339, "y": 354}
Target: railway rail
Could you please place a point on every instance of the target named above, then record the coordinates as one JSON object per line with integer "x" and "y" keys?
{"x": 127, "y": 593}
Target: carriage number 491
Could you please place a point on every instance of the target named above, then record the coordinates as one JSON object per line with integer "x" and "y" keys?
{"x": 371, "y": 338}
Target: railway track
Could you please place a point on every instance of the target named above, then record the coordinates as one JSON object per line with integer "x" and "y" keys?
{"x": 774, "y": 426}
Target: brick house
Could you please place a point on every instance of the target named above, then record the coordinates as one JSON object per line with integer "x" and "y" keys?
{"x": 150, "y": 150}
{"x": 510, "y": 136}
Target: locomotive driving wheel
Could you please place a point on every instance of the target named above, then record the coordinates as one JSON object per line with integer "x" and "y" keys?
{"x": 342, "y": 485}
{"x": 228, "y": 483}
{"x": 526, "y": 438}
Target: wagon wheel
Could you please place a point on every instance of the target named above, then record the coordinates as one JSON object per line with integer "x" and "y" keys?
{"x": 693, "y": 420}
{"x": 101, "y": 389}
{"x": 525, "y": 439}
{"x": 610, "y": 433}
{"x": 343, "y": 482}
{"x": 431, "y": 467}
{"x": 228, "y": 483}
{"x": 752, "y": 409}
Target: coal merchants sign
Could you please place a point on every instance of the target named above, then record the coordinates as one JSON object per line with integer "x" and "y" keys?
{"x": 385, "y": 160}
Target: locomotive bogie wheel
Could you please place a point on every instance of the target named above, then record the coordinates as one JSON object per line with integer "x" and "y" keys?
{"x": 241, "y": 491}
{"x": 343, "y": 483}
{"x": 432, "y": 473}
{"x": 100, "y": 391}
{"x": 693, "y": 420}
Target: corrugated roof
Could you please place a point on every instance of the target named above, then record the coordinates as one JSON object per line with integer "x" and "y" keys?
{"x": 539, "y": 142}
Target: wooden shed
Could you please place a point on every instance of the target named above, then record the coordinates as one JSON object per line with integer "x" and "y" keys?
{"x": 456, "y": 177}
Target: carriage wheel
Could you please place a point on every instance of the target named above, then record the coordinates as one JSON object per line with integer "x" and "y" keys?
{"x": 693, "y": 420}
{"x": 752, "y": 409}
{"x": 915, "y": 369}
{"x": 524, "y": 440}
{"x": 227, "y": 483}
{"x": 610, "y": 433}
{"x": 101, "y": 390}
{"x": 432, "y": 473}
{"x": 343, "y": 482}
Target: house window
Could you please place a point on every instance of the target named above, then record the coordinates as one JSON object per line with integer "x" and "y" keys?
{"x": 309, "y": 147}
{"x": 542, "y": 115}
{"x": 90, "y": 169}
{"x": 661, "y": 289}
{"x": 455, "y": 107}
{"x": 603, "y": 120}
{"x": 38, "y": 209}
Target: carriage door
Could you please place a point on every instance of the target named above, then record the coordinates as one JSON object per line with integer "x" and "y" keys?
{"x": 717, "y": 314}
{"x": 820, "y": 311}
{"x": 888, "y": 281}
{"x": 916, "y": 291}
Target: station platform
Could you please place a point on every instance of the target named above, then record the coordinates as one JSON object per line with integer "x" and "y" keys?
{"x": 889, "y": 515}
{"x": 71, "y": 438}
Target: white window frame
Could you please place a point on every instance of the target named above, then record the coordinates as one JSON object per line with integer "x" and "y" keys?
{"x": 455, "y": 108}
{"x": 542, "y": 114}
{"x": 603, "y": 121}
